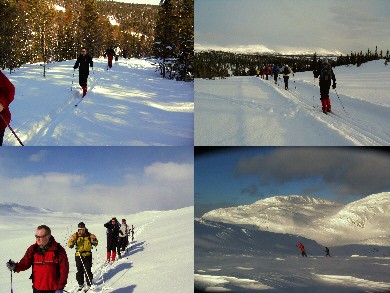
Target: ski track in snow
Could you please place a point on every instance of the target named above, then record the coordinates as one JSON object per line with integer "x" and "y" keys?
{"x": 254, "y": 111}
{"x": 128, "y": 105}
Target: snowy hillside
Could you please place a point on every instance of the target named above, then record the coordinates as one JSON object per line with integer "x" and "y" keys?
{"x": 233, "y": 258}
{"x": 161, "y": 258}
{"x": 253, "y": 111}
{"x": 361, "y": 222}
{"x": 129, "y": 105}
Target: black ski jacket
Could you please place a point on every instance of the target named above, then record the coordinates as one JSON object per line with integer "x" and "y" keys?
{"x": 83, "y": 62}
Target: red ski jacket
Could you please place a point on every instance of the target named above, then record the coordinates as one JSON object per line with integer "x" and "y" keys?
{"x": 50, "y": 268}
{"x": 7, "y": 93}
{"x": 301, "y": 247}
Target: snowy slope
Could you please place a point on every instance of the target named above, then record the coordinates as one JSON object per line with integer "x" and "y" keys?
{"x": 161, "y": 259}
{"x": 128, "y": 105}
{"x": 252, "y": 111}
{"x": 232, "y": 258}
{"x": 361, "y": 222}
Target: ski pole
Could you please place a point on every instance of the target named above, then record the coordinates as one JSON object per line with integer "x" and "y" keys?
{"x": 341, "y": 102}
{"x": 10, "y": 128}
{"x": 85, "y": 271}
{"x": 71, "y": 88}
{"x": 12, "y": 290}
{"x": 314, "y": 90}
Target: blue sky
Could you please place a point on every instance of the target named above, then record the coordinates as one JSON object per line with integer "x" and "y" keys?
{"x": 98, "y": 179}
{"x": 237, "y": 176}
{"x": 284, "y": 25}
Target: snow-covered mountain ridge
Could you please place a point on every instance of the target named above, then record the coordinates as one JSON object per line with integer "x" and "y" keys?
{"x": 364, "y": 221}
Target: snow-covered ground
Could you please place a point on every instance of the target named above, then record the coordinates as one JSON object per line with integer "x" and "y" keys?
{"x": 252, "y": 111}
{"x": 234, "y": 252}
{"x": 130, "y": 105}
{"x": 161, "y": 259}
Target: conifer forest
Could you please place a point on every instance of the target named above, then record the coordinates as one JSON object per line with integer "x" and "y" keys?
{"x": 55, "y": 30}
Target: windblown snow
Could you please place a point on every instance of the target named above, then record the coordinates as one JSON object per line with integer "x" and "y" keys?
{"x": 253, "y": 111}
{"x": 128, "y": 105}
{"x": 252, "y": 248}
{"x": 161, "y": 258}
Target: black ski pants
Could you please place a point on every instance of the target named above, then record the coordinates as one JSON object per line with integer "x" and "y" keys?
{"x": 324, "y": 89}
{"x": 83, "y": 77}
{"x": 286, "y": 81}
{"x": 122, "y": 243}
{"x": 84, "y": 267}
{"x": 112, "y": 243}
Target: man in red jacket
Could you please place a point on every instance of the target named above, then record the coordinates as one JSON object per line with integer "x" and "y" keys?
{"x": 7, "y": 93}
{"x": 302, "y": 248}
{"x": 50, "y": 266}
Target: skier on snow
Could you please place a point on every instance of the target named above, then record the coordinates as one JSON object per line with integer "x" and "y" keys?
{"x": 132, "y": 233}
{"x": 275, "y": 72}
{"x": 262, "y": 71}
{"x": 50, "y": 266}
{"x": 286, "y": 71}
{"x": 7, "y": 93}
{"x": 326, "y": 75}
{"x": 327, "y": 252}
{"x": 83, "y": 62}
{"x": 123, "y": 237}
{"x": 83, "y": 240}
{"x": 112, "y": 238}
{"x": 110, "y": 53}
{"x": 267, "y": 71}
{"x": 302, "y": 248}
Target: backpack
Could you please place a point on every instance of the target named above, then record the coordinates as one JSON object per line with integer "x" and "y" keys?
{"x": 286, "y": 71}
{"x": 326, "y": 72}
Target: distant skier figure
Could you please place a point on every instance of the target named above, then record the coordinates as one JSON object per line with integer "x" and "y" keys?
{"x": 7, "y": 94}
{"x": 327, "y": 252}
{"x": 267, "y": 71}
{"x": 123, "y": 238}
{"x": 132, "y": 233}
{"x": 302, "y": 248}
{"x": 110, "y": 54}
{"x": 286, "y": 75}
{"x": 326, "y": 75}
{"x": 83, "y": 62}
{"x": 275, "y": 72}
{"x": 262, "y": 71}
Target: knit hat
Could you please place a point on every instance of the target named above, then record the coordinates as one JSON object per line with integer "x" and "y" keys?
{"x": 81, "y": 225}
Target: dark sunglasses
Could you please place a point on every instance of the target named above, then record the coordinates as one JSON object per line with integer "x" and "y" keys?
{"x": 39, "y": 237}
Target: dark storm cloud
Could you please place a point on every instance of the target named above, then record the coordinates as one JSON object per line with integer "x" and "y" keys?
{"x": 252, "y": 190}
{"x": 360, "y": 171}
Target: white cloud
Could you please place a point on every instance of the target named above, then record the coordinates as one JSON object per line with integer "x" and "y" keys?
{"x": 39, "y": 156}
{"x": 170, "y": 171}
{"x": 162, "y": 186}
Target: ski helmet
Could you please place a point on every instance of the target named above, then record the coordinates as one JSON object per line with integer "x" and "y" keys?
{"x": 81, "y": 225}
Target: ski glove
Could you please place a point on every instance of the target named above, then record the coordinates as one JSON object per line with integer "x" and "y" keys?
{"x": 334, "y": 86}
{"x": 11, "y": 265}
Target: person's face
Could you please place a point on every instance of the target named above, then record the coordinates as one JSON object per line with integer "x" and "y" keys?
{"x": 113, "y": 222}
{"x": 83, "y": 51}
{"x": 41, "y": 237}
{"x": 82, "y": 231}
